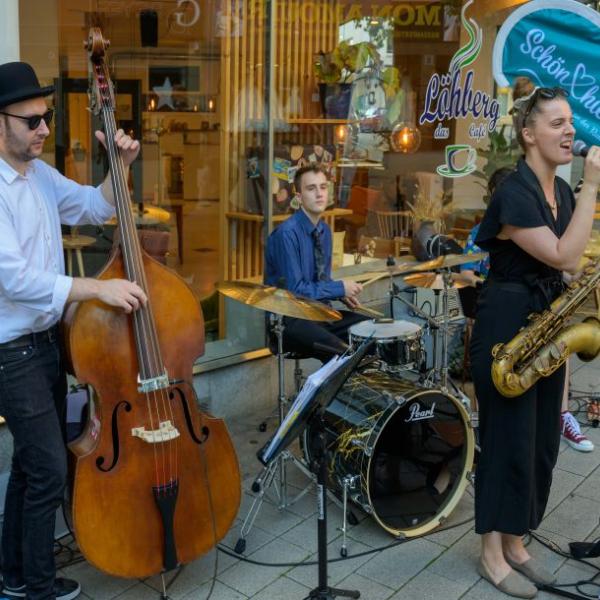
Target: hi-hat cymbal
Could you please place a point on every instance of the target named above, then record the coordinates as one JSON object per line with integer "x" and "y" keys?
{"x": 448, "y": 261}
{"x": 433, "y": 281}
{"x": 279, "y": 301}
{"x": 442, "y": 262}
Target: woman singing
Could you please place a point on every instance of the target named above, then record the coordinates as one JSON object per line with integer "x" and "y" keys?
{"x": 533, "y": 230}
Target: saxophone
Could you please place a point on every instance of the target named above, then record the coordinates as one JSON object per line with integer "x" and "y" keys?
{"x": 543, "y": 345}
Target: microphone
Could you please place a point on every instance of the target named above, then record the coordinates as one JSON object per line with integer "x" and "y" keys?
{"x": 427, "y": 243}
{"x": 579, "y": 148}
{"x": 440, "y": 245}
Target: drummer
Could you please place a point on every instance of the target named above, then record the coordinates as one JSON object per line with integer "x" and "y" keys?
{"x": 298, "y": 258}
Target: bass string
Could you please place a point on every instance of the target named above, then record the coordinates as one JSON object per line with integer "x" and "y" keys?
{"x": 146, "y": 339}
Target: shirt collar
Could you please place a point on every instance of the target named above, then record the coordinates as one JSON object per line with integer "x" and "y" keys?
{"x": 9, "y": 174}
{"x": 532, "y": 181}
{"x": 307, "y": 224}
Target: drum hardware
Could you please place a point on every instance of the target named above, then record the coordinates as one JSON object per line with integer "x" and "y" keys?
{"x": 348, "y": 483}
{"x": 441, "y": 284}
{"x": 433, "y": 281}
{"x": 275, "y": 474}
{"x": 398, "y": 344}
{"x": 280, "y": 302}
{"x": 420, "y": 458}
{"x": 308, "y": 410}
{"x": 442, "y": 262}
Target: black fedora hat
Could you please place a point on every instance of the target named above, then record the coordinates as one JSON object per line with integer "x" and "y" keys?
{"x": 18, "y": 82}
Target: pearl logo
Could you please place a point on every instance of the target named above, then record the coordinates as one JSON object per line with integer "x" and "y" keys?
{"x": 416, "y": 414}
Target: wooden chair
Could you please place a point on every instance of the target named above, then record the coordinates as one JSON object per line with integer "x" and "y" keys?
{"x": 396, "y": 225}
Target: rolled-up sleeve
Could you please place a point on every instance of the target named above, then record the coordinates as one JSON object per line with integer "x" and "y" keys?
{"x": 78, "y": 204}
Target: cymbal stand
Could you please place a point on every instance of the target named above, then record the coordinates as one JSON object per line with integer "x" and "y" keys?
{"x": 447, "y": 278}
{"x": 438, "y": 374}
{"x": 275, "y": 475}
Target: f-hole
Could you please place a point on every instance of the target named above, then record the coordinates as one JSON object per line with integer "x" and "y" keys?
{"x": 115, "y": 438}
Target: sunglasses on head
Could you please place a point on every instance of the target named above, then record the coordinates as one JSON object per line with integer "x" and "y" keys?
{"x": 544, "y": 93}
{"x": 34, "y": 121}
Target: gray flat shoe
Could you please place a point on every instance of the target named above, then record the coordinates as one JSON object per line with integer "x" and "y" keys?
{"x": 513, "y": 584}
{"x": 533, "y": 569}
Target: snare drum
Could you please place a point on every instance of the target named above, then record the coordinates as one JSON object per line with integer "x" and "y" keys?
{"x": 408, "y": 449}
{"x": 397, "y": 343}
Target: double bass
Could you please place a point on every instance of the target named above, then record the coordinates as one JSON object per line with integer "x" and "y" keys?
{"x": 156, "y": 482}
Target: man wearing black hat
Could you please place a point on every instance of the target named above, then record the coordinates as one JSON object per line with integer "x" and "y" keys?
{"x": 34, "y": 200}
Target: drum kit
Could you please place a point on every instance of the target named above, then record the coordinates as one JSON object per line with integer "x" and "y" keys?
{"x": 400, "y": 437}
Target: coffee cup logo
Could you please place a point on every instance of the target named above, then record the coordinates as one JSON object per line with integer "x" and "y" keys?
{"x": 461, "y": 160}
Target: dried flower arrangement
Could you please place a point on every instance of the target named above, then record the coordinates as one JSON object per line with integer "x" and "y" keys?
{"x": 430, "y": 209}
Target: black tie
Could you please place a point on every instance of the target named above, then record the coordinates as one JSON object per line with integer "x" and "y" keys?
{"x": 319, "y": 256}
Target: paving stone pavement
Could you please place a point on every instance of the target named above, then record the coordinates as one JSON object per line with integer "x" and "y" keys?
{"x": 441, "y": 565}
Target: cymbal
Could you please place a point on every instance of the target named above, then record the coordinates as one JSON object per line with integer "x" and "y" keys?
{"x": 449, "y": 260}
{"x": 442, "y": 262}
{"x": 279, "y": 301}
{"x": 433, "y": 281}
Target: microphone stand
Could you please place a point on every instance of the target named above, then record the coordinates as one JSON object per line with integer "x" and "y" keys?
{"x": 323, "y": 591}
{"x": 390, "y": 262}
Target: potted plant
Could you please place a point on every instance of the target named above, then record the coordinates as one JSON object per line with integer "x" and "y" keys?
{"x": 500, "y": 153}
{"x": 337, "y": 70}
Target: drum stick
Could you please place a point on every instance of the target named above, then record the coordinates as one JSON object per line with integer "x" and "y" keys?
{"x": 371, "y": 312}
{"x": 374, "y": 279}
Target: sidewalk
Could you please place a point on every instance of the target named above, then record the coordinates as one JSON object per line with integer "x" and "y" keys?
{"x": 441, "y": 565}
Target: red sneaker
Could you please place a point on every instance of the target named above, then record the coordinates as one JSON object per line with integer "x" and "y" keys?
{"x": 571, "y": 433}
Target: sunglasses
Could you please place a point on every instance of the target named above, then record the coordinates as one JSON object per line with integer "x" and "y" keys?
{"x": 544, "y": 93}
{"x": 34, "y": 121}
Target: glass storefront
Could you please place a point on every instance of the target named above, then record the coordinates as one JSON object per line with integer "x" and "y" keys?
{"x": 230, "y": 97}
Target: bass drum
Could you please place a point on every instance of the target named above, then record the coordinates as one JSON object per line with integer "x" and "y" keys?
{"x": 407, "y": 449}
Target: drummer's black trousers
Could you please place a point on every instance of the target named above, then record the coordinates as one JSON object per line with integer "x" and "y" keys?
{"x": 321, "y": 340}
{"x": 520, "y": 436}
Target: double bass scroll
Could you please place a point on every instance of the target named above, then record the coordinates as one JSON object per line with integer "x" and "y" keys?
{"x": 157, "y": 482}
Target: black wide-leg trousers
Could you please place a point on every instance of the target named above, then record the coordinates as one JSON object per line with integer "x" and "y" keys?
{"x": 519, "y": 437}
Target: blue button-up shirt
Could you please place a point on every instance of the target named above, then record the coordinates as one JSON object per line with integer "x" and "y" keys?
{"x": 290, "y": 259}
{"x": 33, "y": 286}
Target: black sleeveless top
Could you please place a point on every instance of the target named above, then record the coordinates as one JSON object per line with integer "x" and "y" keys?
{"x": 519, "y": 201}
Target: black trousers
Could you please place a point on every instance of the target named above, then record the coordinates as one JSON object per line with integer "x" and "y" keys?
{"x": 32, "y": 400}
{"x": 520, "y": 436}
{"x": 321, "y": 340}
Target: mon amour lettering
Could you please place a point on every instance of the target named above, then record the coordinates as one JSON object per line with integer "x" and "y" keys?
{"x": 403, "y": 14}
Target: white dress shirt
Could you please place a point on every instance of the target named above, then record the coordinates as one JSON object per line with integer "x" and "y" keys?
{"x": 33, "y": 285}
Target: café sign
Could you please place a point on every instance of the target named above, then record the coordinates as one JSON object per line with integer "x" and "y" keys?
{"x": 451, "y": 95}
{"x": 555, "y": 43}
